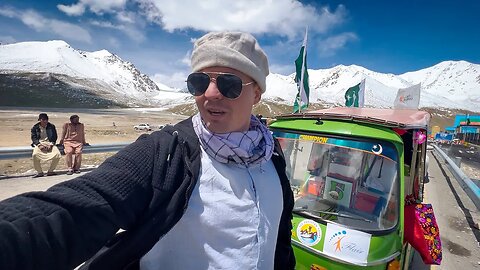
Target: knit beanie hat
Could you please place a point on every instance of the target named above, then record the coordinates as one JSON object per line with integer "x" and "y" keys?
{"x": 236, "y": 50}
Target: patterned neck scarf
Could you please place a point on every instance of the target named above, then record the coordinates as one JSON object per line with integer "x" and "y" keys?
{"x": 254, "y": 146}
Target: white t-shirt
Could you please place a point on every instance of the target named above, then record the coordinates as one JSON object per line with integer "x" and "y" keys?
{"x": 231, "y": 221}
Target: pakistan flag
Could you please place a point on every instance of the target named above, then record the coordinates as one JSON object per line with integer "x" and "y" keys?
{"x": 301, "y": 78}
{"x": 354, "y": 96}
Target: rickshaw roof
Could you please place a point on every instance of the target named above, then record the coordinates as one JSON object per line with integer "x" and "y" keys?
{"x": 398, "y": 118}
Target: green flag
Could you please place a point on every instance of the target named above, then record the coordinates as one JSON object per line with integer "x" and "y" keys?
{"x": 354, "y": 96}
{"x": 301, "y": 78}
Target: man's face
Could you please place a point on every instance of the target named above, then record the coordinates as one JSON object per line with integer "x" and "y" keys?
{"x": 223, "y": 115}
{"x": 75, "y": 120}
{"x": 43, "y": 122}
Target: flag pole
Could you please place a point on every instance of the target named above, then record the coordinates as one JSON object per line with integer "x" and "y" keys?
{"x": 300, "y": 86}
{"x": 299, "y": 104}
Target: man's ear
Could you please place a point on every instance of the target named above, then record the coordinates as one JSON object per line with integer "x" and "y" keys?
{"x": 258, "y": 94}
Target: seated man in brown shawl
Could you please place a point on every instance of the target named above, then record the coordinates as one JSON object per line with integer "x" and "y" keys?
{"x": 73, "y": 140}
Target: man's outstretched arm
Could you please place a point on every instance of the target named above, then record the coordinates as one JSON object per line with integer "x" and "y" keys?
{"x": 67, "y": 224}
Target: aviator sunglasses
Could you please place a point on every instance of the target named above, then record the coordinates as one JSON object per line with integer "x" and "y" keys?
{"x": 229, "y": 85}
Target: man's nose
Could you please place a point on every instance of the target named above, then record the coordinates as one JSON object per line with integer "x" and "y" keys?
{"x": 212, "y": 91}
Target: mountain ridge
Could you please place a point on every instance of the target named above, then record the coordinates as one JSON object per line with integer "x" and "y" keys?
{"x": 97, "y": 73}
{"x": 454, "y": 87}
{"x": 448, "y": 84}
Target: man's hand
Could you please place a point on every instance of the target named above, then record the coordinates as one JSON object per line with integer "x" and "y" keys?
{"x": 42, "y": 148}
{"x": 45, "y": 148}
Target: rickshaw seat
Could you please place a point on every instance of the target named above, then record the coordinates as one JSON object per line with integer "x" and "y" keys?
{"x": 369, "y": 203}
{"x": 365, "y": 202}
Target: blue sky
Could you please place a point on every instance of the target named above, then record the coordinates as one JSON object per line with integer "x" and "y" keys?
{"x": 157, "y": 35}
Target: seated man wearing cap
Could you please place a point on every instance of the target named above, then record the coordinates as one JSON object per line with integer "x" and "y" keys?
{"x": 73, "y": 140}
{"x": 210, "y": 192}
{"x": 44, "y": 136}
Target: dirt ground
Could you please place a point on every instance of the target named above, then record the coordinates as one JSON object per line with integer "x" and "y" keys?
{"x": 99, "y": 129}
{"x": 16, "y": 123}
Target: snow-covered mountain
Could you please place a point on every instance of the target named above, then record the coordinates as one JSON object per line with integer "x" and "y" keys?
{"x": 99, "y": 73}
{"x": 450, "y": 84}
{"x": 457, "y": 81}
{"x": 91, "y": 76}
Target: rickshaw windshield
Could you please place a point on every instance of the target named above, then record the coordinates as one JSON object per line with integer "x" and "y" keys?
{"x": 350, "y": 182}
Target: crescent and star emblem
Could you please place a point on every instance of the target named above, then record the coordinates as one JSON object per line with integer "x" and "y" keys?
{"x": 377, "y": 149}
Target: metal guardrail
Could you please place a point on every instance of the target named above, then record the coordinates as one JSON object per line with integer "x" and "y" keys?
{"x": 26, "y": 152}
{"x": 472, "y": 190}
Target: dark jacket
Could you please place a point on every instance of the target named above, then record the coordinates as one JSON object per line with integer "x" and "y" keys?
{"x": 135, "y": 190}
{"x": 51, "y": 133}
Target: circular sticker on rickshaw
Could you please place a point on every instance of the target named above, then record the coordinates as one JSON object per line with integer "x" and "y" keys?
{"x": 309, "y": 232}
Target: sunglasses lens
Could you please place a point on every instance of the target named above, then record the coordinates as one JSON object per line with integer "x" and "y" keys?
{"x": 229, "y": 85}
{"x": 197, "y": 83}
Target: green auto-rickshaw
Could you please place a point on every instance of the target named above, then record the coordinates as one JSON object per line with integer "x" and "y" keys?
{"x": 351, "y": 170}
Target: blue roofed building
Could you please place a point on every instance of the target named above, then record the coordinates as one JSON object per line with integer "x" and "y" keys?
{"x": 465, "y": 123}
{"x": 450, "y": 129}
{"x": 466, "y": 127}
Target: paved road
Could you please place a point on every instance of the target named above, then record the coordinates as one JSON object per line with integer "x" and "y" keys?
{"x": 470, "y": 155}
{"x": 456, "y": 215}
{"x": 457, "y": 219}
{"x": 12, "y": 186}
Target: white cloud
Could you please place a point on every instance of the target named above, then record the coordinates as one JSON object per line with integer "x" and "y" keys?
{"x": 72, "y": 10}
{"x": 128, "y": 22}
{"x": 126, "y": 17}
{"x": 96, "y": 6}
{"x": 104, "y": 24}
{"x": 281, "y": 17}
{"x": 33, "y": 20}
{"x": 130, "y": 30}
{"x": 186, "y": 59}
{"x": 150, "y": 11}
{"x": 40, "y": 23}
{"x": 331, "y": 45}
{"x": 175, "y": 79}
{"x": 8, "y": 12}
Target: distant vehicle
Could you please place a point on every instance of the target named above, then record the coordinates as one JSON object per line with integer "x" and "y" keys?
{"x": 161, "y": 126}
{"x": 144, "y": 127}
